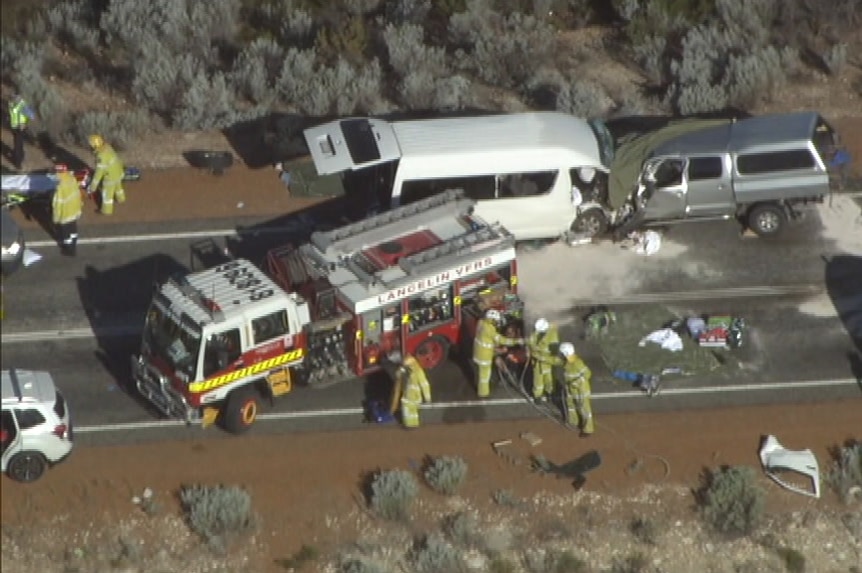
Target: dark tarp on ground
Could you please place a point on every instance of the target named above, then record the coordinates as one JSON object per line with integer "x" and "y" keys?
{"x": 305, "y": 182}
{"x": 633, "y": 150}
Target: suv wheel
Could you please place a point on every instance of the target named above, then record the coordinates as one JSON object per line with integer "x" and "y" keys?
{"x": 26, "y": 467}
{"x": 241, "y": 409}
{"x": 767, "y": 220}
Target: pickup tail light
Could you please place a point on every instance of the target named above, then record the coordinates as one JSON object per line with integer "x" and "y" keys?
{"x": 60, "y": 431}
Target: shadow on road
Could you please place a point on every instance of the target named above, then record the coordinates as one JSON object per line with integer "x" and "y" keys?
{"x": 843, "y": 280}
{"x": 115, "y": 298}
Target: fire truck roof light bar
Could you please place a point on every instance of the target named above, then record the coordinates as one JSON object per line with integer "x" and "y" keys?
{"x": 454, "y": 198}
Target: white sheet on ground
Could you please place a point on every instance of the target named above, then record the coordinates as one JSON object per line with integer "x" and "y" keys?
{"x": 31, "y": 257}
{"x": 776, "y": 459}
{"x": 665, "y": 337}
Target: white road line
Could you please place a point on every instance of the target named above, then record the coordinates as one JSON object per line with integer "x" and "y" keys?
{"x": 168, "y": 236}
{"x": 667, "y": 297}
{"x": 158, "y": 424}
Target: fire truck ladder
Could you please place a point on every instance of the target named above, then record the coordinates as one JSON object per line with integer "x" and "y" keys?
{"x": 198, "y": 298}
{"x": 323, "y": 240}
{"x": 472, "y": 243}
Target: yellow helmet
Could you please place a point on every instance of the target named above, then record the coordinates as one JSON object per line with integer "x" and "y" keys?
{"x": 96, "y": 141}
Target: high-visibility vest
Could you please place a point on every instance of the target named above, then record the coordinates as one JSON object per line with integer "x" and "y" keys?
{"x": 17, "y": 118}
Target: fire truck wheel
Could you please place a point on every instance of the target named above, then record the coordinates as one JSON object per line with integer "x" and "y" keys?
{"x": 432, "y": 352}
{"x": 241, "y": 410}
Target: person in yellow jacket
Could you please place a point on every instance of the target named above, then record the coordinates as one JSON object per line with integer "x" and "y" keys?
{"x": 576, "y": 377}
{"x": 411, "y": 378}
{"x": 20, "y": 115}
{"x": 541, "y": 343}
{"x": 66, "y": 209}
{"x": 488, "y": 338}
{"x": 109, "y": 172}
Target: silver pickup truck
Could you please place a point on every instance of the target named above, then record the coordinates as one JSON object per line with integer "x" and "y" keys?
{"x": 759, "y": 171}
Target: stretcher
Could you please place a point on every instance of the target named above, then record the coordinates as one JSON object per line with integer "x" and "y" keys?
{"x": 17, "y": 188}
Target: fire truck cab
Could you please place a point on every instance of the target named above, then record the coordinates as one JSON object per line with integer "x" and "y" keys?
{"x": 217, "y": 342}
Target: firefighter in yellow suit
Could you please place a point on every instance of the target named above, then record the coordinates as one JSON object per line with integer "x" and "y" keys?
{"x": 109, "y": 172}
{"x": 413, "y": 383}
{"x": 488, "y": 338}
{"x": 66, "y": 209}
{"x": 540, "y": 343}
{"x": 577, "y": 378}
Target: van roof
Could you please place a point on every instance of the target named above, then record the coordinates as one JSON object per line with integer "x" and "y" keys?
{"x": 27, "y": 386}
{"x": 776, "y": 131}
{"x": 355, "y": 143}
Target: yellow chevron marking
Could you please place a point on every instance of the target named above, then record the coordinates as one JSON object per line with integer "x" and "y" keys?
{"x": 263, "y": 366}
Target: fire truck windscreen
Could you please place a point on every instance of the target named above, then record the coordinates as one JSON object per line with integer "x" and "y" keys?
{"x": 176, "y": 340}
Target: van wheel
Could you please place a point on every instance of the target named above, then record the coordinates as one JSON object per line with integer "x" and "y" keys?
{"x": 27, "y": 467}
{"x": 432, "y": 352}
{"x": 767, "y": 221}
{"x": 240, "y": 411}
{"x": 592, "y": 222}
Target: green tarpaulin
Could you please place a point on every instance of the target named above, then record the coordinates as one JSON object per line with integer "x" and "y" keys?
{"x": 635, "y": 149}
{"x": 620, "y": 346}
{"x": 305, "y": 182}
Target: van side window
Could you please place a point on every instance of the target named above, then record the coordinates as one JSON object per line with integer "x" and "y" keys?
{"x": 478, "y": 188}
{"x": 526, "y": 184}
{"x": 269, "y": 326}
{"x": 700, "y": 168}
{"x": 757, "y": 163}
{"x": 29, "y": 418}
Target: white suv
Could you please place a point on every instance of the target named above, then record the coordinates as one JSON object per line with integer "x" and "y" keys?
{"x": 36, "y": 429}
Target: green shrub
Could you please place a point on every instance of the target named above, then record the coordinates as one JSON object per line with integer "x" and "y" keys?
{"x": 567, "y": 562}
{"x": 845, "y": 475}
{"x": 644, "y": 530}
{"x": 549, "y": 561}
{"x": 360, "y": 565}
{"x": 446, "y": 474}
{"x": 794, "y": 561}
{"x": 506, "y": 498}
{"x": 120, "y": 127}
{"x": 500, "y": 564}
{"x": 731, "y": 502}
{"x": 217, "y": 512}
{"x": 433, "y": 554}
{"x": 306, "y": 554}
{"x": 637, "y": 563}
{"x": 462, "y": 528}
{"x": 392, "y": 494}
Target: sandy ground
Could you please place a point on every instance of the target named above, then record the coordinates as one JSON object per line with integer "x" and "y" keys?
{"x": 307, "y": 489}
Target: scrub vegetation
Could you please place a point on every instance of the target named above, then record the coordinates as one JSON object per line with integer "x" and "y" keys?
{"x": 135, "y": 67}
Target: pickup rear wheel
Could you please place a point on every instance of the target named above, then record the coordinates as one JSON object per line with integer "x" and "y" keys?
{"x": 432, "y": 352}
{"x": 592, "y": 222}
{"x": 27, "y": 467}
{"x": 767, "y": 221}
{"x": 240, "y": 411}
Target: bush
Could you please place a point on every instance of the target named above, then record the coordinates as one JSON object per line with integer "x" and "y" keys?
{"x": 346, "y": 38}
{"x": 845, "y": 475}
{"x": 434, "y": 555}
{"x": 637, "y": 563}
{"x": 644, "y": 530}
{"x": 217, "y": 513}
{"x": 583, "y": 98}
{"x": 392, "y": 493}
{"x": 360, "y": 565}
{"x": 256, "y": 70}
{"x": 207, "y": 103}
{"x": 547, "y": 561}
{"x": 836, "y": 58}
{"x": 121, "y": 127}
{"x": 407, "y": 11}
{"x": 446, "y": 474}
{"x": 794, "y": 561}
{"x": 506, "y": 498}
{"x": 501, "y": 49}
{"x": 74, "y": 24}
{"x": 500, "y": 564}
{"x": 462, "y": 528}
{"x": 731, "y": 501}
{"x": 161, "y": 79}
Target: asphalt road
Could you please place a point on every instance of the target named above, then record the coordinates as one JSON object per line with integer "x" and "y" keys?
{"x": 79, "y": 318}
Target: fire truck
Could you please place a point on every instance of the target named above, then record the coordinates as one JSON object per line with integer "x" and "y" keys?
{"x": 414, "y": 279}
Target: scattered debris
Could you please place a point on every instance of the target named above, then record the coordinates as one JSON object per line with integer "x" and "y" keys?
{"x": 650, "y": 384}
{"x": 667, "y": 338}
{"x": 644, "y": 243}
{"x": 240, "y": 205}
{"x": 574, "y": 469}
{"x": 501, "y": 443}
{"x": 31, "y": 257}
{"x": 778, "y": 460}
{"x": 599, "y": 321}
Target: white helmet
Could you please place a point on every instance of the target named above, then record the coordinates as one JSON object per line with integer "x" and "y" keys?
{"x": 567, "y": 349}
{"x": 493, "y": 314}
{"x": 394, "y": 357}
{"x": 542, "y": 325}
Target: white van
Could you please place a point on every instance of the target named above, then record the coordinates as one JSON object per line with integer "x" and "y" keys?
{"x": 523, "y": 169}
